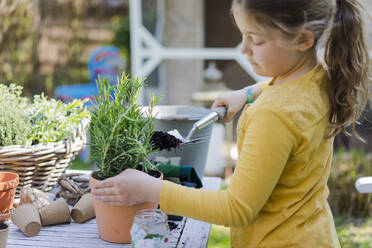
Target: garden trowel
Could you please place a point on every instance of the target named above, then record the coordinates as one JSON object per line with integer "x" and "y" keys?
{"x": 216, "y": 114}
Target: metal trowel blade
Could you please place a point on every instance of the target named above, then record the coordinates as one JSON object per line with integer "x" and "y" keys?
{"x": 176, "y": 134}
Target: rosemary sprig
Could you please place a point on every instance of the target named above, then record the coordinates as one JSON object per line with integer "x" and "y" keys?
{"x": 120, "y": 131}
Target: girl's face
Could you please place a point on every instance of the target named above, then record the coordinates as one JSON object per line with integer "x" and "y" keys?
{"x": 270, "y": 57}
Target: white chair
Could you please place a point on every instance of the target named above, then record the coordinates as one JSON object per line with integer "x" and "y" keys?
{"x": 364, "y": 185}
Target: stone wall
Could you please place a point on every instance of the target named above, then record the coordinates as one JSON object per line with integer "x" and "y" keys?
{"x": 55, "y": 41}
{"x": 68, "y": 32}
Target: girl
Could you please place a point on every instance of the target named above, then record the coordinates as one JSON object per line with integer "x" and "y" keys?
{"x": 278, "y": 193}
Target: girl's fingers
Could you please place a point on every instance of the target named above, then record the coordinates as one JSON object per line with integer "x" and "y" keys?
{"x": 107, "y": 198}
{"x": 115, "y": 202}
{"x": 229, "y": 114}
{"x": 228, "y": 117}
{"x": 219, "y": 103}
{"x": 108, "y": 183}
{"x": 214, "y": 105}
{"x": 103, "y": 191}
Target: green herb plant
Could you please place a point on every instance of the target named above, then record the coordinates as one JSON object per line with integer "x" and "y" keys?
{"x": 54, "y": 120}
{"x": 14, "y": 125}
{"x": 120, "y": 130}
{"x": 43, "y": 121}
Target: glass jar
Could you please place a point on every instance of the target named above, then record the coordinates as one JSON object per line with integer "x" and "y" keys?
{"x": 149, "y": 229}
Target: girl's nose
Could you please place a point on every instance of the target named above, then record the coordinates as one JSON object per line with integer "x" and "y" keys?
{"x": 245, "y": 48}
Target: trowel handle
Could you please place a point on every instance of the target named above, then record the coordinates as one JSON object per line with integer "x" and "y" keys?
{"x": 221, "y": 111}
{"x": 217, "y": 114}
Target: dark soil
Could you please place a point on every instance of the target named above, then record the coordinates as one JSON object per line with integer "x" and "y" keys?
{"x": 3, "y": 226}
{"x": 154, "y": 173}
{"x": 99, "y": 176}
{"x": 172, "y": 225}
{"x": 174, "y": 217}
{"x": 164, "y": 140}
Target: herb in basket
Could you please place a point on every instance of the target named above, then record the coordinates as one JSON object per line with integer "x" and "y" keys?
{"x": 120, "y": 131}
{"x": 14, "y": 124}
{"x": 53, "y": 120}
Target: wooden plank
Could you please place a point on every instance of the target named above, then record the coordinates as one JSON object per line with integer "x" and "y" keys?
{"x": 189, "y": 232}
{"x": 196, "y": 233}
{"x": 73, "y": 235}
{"x": 58, "y": 236}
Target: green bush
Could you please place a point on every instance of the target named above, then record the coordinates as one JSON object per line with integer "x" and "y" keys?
{"x": 347, "y": 168}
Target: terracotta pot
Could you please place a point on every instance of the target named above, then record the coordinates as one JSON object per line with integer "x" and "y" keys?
{"x": 8, "y": 186}
{"x": 114, "y": 223}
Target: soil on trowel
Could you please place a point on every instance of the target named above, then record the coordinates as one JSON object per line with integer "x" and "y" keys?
{"x": 164, "y": 140}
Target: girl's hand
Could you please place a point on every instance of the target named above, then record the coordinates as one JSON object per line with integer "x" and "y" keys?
{"x": 233, "y": 101}
{"x": 129, "y": 188}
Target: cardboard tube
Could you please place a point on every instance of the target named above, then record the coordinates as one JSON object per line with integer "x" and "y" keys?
{"x": 4, "y": 229}
{"x": 84, "y": 209}
{"x": 56, "y": 212}
{"x": 27, "y": 218}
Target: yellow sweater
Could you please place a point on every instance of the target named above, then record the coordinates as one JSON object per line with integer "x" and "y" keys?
{"x": 277, "y": 196}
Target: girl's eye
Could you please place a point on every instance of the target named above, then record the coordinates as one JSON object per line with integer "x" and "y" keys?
{"x": 258, "y": 43}
{"x": 255, "y": 42}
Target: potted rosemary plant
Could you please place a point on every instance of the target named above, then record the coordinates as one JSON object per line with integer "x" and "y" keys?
{"x": 120, "y": 138}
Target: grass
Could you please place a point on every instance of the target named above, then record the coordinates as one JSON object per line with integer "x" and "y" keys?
{"x": 219, "y": 237}
{"x": 78, "y": 164}
{"x": 354, "y": 232}
{"x": 351, "y": 232}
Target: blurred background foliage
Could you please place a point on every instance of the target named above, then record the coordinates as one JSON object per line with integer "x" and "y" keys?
{"x": 44, "y": 44}
{"x": 18, "y": 41}
{"x": 347, "y": 168}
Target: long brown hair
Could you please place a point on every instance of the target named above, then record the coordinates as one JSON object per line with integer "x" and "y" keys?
{"x": 346, "y": 53}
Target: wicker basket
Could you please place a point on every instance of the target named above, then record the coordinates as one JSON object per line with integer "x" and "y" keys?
{"x": 41, "y": 165}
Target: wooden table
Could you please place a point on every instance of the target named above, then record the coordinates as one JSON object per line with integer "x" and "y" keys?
{"x": 189, "y": 232}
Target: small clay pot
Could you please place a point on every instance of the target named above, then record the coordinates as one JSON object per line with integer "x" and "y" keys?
{"x": 4, "y": 229}
{"x": 27, "y": 218}
{"x": 8, "y": 186}
{"x": 56, "y": 212}
{"x": 84, "y": 209}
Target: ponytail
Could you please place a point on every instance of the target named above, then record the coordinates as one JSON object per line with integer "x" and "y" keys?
{"x": 347, "y": 59}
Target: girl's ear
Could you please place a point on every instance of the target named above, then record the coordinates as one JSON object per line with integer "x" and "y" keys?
{"x": 306, "y": 40}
